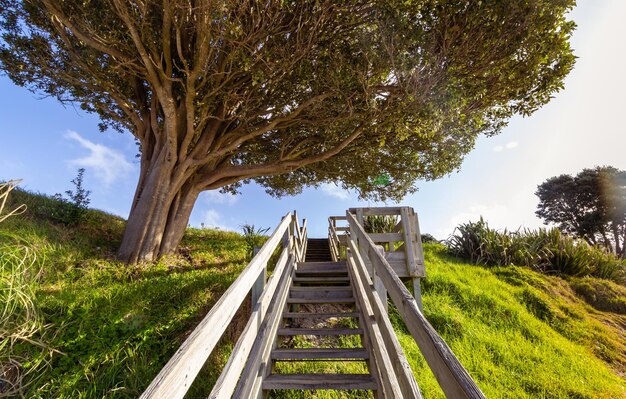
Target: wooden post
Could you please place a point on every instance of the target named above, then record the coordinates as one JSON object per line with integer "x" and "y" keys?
{"x": 379, "y": 286}
{"x": 361, "y": 219}
{"x": 419, "y": 258}
{"x": 259, "y": 284}
{"x": 417, "y": 292}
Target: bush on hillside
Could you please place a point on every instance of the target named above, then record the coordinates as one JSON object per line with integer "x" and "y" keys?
{"x": 428, "y": 238}
{"x": 380, "y": 223}
{"x": 547, "y": 250}
{"x": 70, "y": 210}
{"x": 254, "y": 237}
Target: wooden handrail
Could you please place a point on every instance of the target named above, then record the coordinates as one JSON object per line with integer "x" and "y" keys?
{"x": 178, "y": 374}
{"x": 333, "y": 237}
{"x": 398, "y": 380}
{"x": 452, "y": 377}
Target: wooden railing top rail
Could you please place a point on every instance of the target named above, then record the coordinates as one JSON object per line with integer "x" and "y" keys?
{"x": 177, "y": 375}
{"x": 452, "y": 377}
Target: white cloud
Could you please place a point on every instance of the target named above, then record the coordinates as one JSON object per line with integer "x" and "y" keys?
{"x": 334, "y": 190}
{"x": 496, "y": 215}
{"x": 212, "y": 219}
{"x": 508, "y": 146}
{"x": 215, "y": 197}
{"x": 106, "y": 163}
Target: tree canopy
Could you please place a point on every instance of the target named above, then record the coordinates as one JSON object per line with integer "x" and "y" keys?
{"x": 287, "y": 93}
{"x": 590, "y": 205}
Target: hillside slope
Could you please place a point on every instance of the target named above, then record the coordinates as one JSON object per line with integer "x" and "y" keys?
{"x": 107, "y": 329}
{"x": 520, "y": 334}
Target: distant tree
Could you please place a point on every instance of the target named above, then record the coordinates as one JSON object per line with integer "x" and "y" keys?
{"x": 590, "y": 205}
{"x": 287, "y": 93}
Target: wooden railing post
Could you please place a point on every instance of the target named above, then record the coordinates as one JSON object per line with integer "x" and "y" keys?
{"x": 379, "y": 286}
{"x": 259, "y": 284}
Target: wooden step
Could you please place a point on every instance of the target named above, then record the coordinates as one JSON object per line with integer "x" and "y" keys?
{"x": 321, "y": 294}
{"x": 326, "y": 332}
{"x": 309, "y": 315}
{"x": 320, "y": 354}
{"x": 320, "y": 300}
{"x": 312, "y": 274}
{"x": 319, "y": 381}
{"x": 318, "y": 265}
{"x": 324, "y": 267}
{"x": 322, "y": 279}
{"x": 317, "y": 288}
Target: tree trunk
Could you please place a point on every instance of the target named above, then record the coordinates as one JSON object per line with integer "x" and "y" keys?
{"x": 616, "y": 236}
{"x": 159, "y": 215}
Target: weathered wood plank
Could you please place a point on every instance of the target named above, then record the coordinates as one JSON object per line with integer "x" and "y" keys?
{"x": 320, "y": 300}
{"x": 321, "y": 294}
{"x": 386, "y": 237}
{"x": 371, "y": 211}
{"x": 320, "y": 354}
{"x": 289, "y": 332}
{"x": 321, "y": 288}
{"x": 326, "y": 280}
{"x": 419, "y": 250}
{"x": 325, "y": 315}
{"x": 319, "y": 381}
{"x": 409, "y": 243}
{"x": 177, "y": 375}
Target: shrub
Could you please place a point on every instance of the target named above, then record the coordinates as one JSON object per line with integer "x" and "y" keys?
{"x": 254, "y": 237}
{"x": 428, "y": 238}
{"x": 547, "y": 250}
{"x": 380, "y": 223}
{"x": 71, "y": 210}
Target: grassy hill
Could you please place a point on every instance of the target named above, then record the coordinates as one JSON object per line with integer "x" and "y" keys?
{"x": 78, "y": 324}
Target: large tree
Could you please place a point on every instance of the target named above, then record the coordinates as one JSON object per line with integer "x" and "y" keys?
{"x": 286, "y": 93}
{"x": 590, "y": 205}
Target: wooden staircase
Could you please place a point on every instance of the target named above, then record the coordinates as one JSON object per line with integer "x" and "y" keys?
{"x": 318, "y": 250}
{"x": 318, "y": 283}
{"x": 324, "y": 304}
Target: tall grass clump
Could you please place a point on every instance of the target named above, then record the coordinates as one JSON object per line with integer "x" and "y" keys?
{"x": 380, "y": 223}
{"x": 22, "y": 350}
{"x": 546, "y": 250}
{"x": 254, "y": 237}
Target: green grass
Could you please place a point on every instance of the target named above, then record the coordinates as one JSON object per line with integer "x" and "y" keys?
{"x": 519, "y": 333}
{"x": 111, "y": 328}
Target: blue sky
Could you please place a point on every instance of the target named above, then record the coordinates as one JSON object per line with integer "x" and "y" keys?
{"x": 44, "y": 144}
